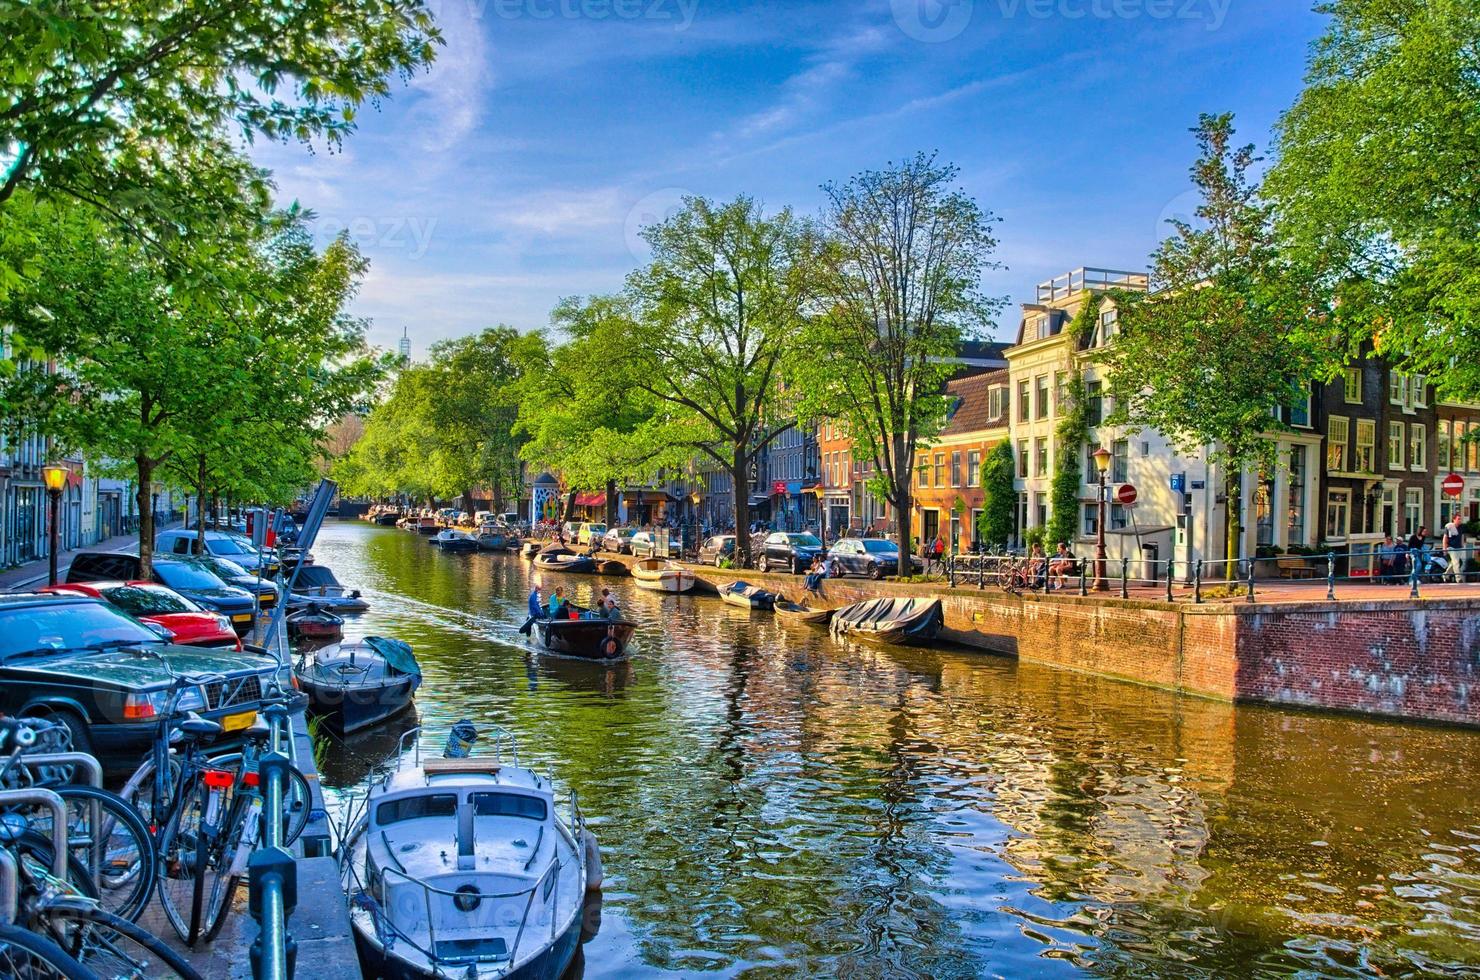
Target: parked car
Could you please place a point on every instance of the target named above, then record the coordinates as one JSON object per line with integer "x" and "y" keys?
{"x": 590, "y": 534}
{"x": 618, "y": 540}
{"x": 717, "y": 549}
{"x": 222, "y": 544}
{"x": 871, "y": 557}
{"x": 233, "y": 574}
{"x": 188, "y": 623}
{"x": 644, "y": 544}
{"x": 192, "y": 579}
{"x": 108, "y": 676}
{"x": 790, "y": 550}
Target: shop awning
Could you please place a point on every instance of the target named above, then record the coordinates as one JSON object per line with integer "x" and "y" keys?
{"x": 590, "y": 500}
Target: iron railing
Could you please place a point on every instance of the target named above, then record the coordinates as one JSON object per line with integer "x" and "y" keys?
{"x": 272, "y": 874}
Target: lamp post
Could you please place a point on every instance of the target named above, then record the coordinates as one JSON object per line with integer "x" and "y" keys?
{"x": 55, "y": 478}
{"x": 1102, "y": 463}
{"x": 695, "y": 498}
{"x": 821, "y": 492}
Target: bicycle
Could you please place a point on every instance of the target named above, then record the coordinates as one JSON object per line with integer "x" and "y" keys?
{"x": 1018, "y": 575}
{"x": 51, "y": 924}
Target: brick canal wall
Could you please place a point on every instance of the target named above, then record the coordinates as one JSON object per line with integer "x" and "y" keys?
{"x": 1411, "y": 659}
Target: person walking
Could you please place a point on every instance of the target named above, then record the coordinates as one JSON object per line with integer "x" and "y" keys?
{"x": 1454, "y": 547}
{"x": 938, "y": 550}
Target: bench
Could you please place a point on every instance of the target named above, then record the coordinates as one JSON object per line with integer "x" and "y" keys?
{"x": 1294, "y": 568}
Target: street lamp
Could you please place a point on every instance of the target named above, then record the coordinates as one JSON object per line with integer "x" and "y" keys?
{"x": 1102, "y": 459}
{"x": 821, "y": 491}
{"x": 55, "y": 478}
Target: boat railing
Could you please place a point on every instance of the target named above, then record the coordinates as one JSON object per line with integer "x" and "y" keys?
{"x": 547, "y": 887}
{"x": 499, "y": 736}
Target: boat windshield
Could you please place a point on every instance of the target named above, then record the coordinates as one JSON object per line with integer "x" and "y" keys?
{"x": 509, "y": 805}
{"x": 415, "y": 807}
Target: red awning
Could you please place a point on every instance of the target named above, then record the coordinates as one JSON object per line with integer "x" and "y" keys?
{"x": 590, "y": 500}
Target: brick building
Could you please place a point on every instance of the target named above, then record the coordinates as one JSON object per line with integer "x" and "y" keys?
{"x": 948, "y": 494}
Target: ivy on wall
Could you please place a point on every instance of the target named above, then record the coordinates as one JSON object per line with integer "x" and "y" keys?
{"x": 1068, "y": 475}
{"x": 999, "y": 508}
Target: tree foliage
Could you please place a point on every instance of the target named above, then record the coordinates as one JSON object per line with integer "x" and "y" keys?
{"x": 898, "y": 284}
{"x": 1378, "y": 181}
{"x": 999, "y": 491}
{"x": 1068, "y": 475}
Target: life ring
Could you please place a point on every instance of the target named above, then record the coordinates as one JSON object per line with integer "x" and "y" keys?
{"x": 611, "y": 646}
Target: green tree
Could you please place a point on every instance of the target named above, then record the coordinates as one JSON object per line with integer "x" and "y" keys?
{"x": 1378, "y": 182}
{"x": 1068, "y": 476}
{"x": 898, "y": 279}
{"x": 998, "y": 518}
{"x": 1218, "y": 343}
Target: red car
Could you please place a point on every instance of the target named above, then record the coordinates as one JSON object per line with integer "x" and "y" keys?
{"x": 152, "y": 603}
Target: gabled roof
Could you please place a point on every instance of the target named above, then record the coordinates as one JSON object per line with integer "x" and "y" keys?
{"x": 972, "y": 412}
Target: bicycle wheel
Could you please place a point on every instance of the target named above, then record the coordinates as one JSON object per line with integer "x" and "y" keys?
{"x": 112, "y": 947}
{"x": 109, "y": 839}
{"x": 26, "y": 956}
{"x": 139, "y": 791}
{"x": 243, "y": 830}
{"x": 297, "y": 797}
{"x": 187, "y": 864}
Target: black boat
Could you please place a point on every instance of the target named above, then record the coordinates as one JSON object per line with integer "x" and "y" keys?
{"x": 317, "y": 584}
{"x": 589, "y": 639}
{"x": 907, "y": 621}
{"x": 356, "y": 685}
{"x": 747, "y": 596}
{"x": 565, "y": 561}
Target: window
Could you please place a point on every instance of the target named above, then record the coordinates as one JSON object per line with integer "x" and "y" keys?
{"x": 1091, "y": 471}
{"x": 940, "y": 469}
{"x": 1366, "y": 446}
{"x": 1395, "y": 445}
{"x": 1397, "y": 388}
{"x": 1061, "y": 392}
{"x": 997, "y": 401}
{"x": 1040, "y": 457}
{"x": 1119, "y": 517}
{"x": 1338, "y": 514}
{"x": 1337, "y": 436}
{"x": 1352, "y": 386}
{"x": 924, "y": 470}
{"x": 1040, "y": 508}
{"x": 1120, "y": 462}
{"x": 1041, "y": 400}
{"x": 955, "y": 469}
{"x": 1095, "y": 397}
{"x": 1412, "y": 509}
{"x": 974, "y": 468}
{"x": 414, "y": 808}
{"x": 1038, "y": 327}
{"x": 1300, "y": 413}
{"x": 1388, "y": 518}
{"x": 1295, "y": 516}
{"x": 1418, "y": 392}
{"x": 1472, "y": 448}
{"x": 1264, "y": 510}
{"x": 1109, "y": 325}
{"x": 1418, "y": 446}
{"x": 1091, "y": 520}
{"x": 508, "y": 805}
{"x": 1023, "y": 458}
{"x": 1025, "y": 410}
{"x": 1446, "y": 445}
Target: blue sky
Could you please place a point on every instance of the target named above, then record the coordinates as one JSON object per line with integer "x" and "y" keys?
{"x": 519, "y": 169}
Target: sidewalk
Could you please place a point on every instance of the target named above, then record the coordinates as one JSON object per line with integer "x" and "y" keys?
{"x": 33, "y": 574}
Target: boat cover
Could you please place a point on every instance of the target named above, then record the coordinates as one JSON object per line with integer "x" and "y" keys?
{"x": 397, "y": 654}
{"x": 898, "y": 618}
{"x": 316, "y": 577}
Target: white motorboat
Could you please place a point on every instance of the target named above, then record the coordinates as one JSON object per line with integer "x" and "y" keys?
{"x": 452, "y": 539}
{"x": 662, "y": 576}
{"x": 461, "y": 867}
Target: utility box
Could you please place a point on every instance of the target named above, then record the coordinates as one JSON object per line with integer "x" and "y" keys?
{"x": 1150, "y": 556}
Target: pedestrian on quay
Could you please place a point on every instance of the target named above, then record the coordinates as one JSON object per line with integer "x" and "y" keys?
{"x": 1454, "y": 547}
{"x": 1390, "y": 560}
{"x": 938, "y": 549}
{"x": 814, "y": 574}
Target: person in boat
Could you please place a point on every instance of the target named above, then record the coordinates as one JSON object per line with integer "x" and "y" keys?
{"x": 608, "y": 606}
{"x": 557, "y": 602}
{"x": 536, "y": 610}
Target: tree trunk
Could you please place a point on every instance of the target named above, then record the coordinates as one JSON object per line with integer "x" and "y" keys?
{"x": 1232, "y": 493}
{"x": 902, "y": 506}
{"x": 740, "y": 481}
{"x": 200, "y": 505}
{"x": 611, "y": 503}
{"x": 145, "y": 472}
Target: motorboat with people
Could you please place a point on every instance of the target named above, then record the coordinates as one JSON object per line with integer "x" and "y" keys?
{"x": 659, "y": 575}
{"x": 463, "y": 866}
{"x": 903, "y": 621}
{"x": 747, "y": 596}
{"x": 317, "y": 584}
{"x": 587, "y": 636}
{"x": 564, "y": 560}
{"x": 451, "y": 539}
{"x": 800, "y": 612}
{"x": 356, "y": 685}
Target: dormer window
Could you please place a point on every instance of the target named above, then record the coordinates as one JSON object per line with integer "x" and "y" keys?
{"x": 1038, "y": 327}
{"x": 1109, "y": 326}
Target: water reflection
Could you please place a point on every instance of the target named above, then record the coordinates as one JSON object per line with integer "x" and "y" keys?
{"x": 772, "y": 802}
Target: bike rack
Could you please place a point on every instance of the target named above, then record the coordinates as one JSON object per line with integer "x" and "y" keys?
{"x": 272, "y": 873}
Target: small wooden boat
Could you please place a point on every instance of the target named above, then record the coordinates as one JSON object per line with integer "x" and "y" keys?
{"x": 748, "y": 596}
{"x": 489, "y": 540}
{"x": 589, "y": 637}
{"x": 427, "y": 526}
{"x": 315, "y": 623}
{"x": 356, "y": 685}
{"x": 561, "y": 560}
{"x": 802, "y": 613}
{"x": 908, "y": 621}
{"x": 387, "y": 518}
{"x": 531, "y": 548}
{"x": 611, "y": 566}
{"x": 456, "y": 541}
{"x": 463, "y": 866}
{"x": 662, "y": 576}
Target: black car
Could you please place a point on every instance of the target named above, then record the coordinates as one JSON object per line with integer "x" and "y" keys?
{"x": 190, "y": 578}
{"x": 790, "y": 550}
{"x": 231, "y": 573}
{"x": 108, "y": 676}
{"x": 872, "y": 557}
{"x": 717, "y": 549}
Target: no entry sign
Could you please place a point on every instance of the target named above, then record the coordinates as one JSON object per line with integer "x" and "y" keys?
{"x": 1126, "y": 494}
{"x": 1454, "y": 485}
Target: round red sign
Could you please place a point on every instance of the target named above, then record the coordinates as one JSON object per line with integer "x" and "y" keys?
{"x": 1126, "y": 494}
{"x": 1454, "y": 484}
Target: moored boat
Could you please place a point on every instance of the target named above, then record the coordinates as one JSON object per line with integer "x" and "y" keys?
{"x": 747, "y": 596}
{"x": 317, "y": 584}
{"x": 662, "y": 576}
{"x": 530, "y": 548}
{"x": 452, "y": 539}
{"x": 463, "y": 867}
{"x": 565, "y": 561}
{"x": 802, "y": 613}
{"x": 314, "y": 623}
{"x": 427, "y": 526}
{"x": 908, "y": 621}
{"x": 491, "y": 540}
{"x": 356, "y": 685}
{"x": 611, "y": 566}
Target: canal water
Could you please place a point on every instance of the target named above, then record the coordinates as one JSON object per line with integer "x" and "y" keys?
{"x": 771, "y": 802}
